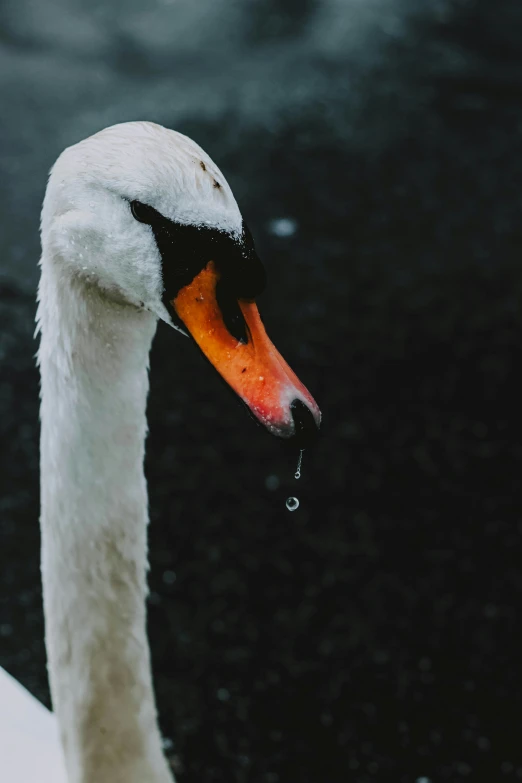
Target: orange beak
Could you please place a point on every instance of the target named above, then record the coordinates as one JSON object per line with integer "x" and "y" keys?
{"x": 255, "y": 370}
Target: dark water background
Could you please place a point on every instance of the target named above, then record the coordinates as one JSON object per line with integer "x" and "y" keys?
{"x": 374, "y": 633}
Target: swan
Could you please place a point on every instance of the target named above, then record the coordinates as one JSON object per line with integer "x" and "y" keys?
{"x": 138, "y": 225}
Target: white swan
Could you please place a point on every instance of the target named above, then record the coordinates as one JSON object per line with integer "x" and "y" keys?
{"x": 137, "y": 224}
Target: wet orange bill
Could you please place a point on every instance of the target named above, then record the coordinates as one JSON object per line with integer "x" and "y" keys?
{"x": 256, "y": 370}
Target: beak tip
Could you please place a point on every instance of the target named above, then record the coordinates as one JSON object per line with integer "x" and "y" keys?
{"x": 306, "y": 424}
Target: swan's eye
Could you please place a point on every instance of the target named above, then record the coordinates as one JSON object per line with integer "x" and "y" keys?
{"x": 144, "y": 213}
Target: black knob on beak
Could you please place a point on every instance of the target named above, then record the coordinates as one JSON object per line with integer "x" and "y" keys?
{"x": 306, "y": 427}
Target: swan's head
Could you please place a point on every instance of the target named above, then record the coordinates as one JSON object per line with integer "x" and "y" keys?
{"x": 146, "y": 215}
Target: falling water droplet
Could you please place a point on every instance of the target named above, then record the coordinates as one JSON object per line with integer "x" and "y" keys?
{"x": 292, "y": 504}
{"x": 297, "y": 473}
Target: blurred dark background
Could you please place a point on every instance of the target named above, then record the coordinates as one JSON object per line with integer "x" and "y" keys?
{"x": 375, "y": 149}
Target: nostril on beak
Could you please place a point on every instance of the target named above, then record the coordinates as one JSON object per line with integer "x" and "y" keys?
{"x": 306, "y": 428}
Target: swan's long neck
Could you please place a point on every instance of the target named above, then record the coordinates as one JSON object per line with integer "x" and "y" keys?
{"x": 94, "y": 371}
